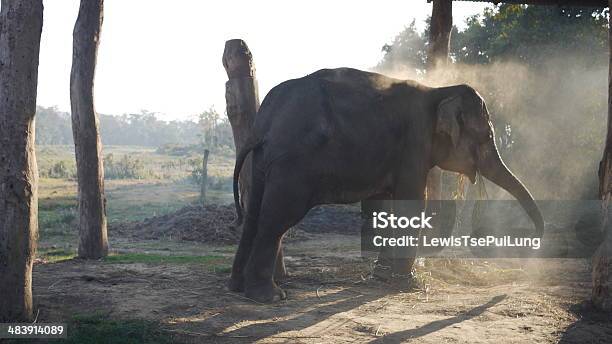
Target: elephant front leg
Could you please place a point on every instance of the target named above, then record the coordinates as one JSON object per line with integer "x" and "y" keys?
{"x": 409, "y": 202}
{"x": 384, "y": 263}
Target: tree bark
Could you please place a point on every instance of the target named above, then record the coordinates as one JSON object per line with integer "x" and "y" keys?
{"x": 437, "y": 56}
{"x": 440, "y": 32}
{"x": 601, "y": 259}
{"x": 93, "y": 240}
{"x": 242, "y": 98}
{"x": 20, "y": 29}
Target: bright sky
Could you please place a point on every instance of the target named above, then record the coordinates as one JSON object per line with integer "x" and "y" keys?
{"x": 165, "y": 56}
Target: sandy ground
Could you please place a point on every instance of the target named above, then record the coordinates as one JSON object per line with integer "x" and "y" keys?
{"x": 331, "y": 300}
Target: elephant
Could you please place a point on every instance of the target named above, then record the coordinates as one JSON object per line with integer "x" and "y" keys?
{"x": 345, "y": 135}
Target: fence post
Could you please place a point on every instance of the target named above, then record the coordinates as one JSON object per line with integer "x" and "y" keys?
{"x": 204, "y": 184}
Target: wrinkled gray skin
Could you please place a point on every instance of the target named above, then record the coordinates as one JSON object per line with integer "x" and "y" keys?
{"x": 344, "y": 135}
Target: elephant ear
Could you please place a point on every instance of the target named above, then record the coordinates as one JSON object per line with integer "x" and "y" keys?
{"x": 448, "y": 112}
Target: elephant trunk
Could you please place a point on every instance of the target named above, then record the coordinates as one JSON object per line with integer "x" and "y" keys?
{"x": 492, "y": 167}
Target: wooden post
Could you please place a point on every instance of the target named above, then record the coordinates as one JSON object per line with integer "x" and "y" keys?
{"x": 242, "y": 98}
{"x": 20, "y": 27}
{"x": 93, "y": 240}
{"x": 204, "y": 185}
{"x": 437, "y": 56}
{"x": 601, "y": 259}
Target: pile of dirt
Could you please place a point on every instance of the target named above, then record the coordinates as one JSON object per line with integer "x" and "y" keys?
{"x": 211, "y": 224}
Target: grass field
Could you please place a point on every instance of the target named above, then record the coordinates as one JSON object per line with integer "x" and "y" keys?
{"x": 167, "y": 187}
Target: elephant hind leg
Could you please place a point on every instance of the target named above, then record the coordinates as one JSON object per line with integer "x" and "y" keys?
{"x": 249, "y": 231}
{"x": 284, "y": 205}
{"x": 280, "y": 271}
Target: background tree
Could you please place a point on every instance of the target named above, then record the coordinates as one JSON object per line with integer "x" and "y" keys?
{"x": 20, "y": 29}
{"x": 533, "y": 34}
{"x": 53, "y": 127}
{"x": 543, "y": 72}
{"x": 93, "y": 241}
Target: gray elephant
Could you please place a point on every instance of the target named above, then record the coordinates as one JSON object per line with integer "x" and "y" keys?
{"x": 345, "y": 135}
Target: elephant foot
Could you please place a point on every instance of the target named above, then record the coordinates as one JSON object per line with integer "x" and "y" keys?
{"x": 236, "y": 283}
{"x": 382, "y": 271}
{"x": 401, "y": 282}
{"x": 265, "y": 293}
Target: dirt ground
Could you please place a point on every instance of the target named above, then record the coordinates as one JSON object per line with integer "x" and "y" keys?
{"x": 330, "y": 297}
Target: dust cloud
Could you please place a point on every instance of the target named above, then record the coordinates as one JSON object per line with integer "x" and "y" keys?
{"x": 549, "y": 119}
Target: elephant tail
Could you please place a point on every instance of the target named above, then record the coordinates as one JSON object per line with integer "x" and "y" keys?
{"x": 252, "y": 143}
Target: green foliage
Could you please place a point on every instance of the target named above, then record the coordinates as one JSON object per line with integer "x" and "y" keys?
{"x": 406, "y": 51}
{"x": 55, "y": 255}
{"x": 61, "y": 169}
{"x": 127, "y": 167}
{"x": 216, "y": 131}
{"x": 197, "y": 170}
{"x": 532, "y": 34}
{"x": 215, "y": 182}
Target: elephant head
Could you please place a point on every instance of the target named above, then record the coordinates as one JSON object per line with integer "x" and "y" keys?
{"x": 464, "y": 142}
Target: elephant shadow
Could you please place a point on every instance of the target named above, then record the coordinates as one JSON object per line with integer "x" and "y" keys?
{"x": 592, "y": 325}
{"x": 434, "y": 326}
{"x": 317, "y": 310}
{"x": 311, "y": 312}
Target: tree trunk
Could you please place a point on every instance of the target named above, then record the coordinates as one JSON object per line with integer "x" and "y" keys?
{"x": 204, "y": 184}
{"x": 93, "y": 241}
{"x": 601, "y": 259}
{"x": 242, "y": 97}
{"x": 20, "y": 28}
{"x": 440, "y": 32}
{"x": 437, "y": 56}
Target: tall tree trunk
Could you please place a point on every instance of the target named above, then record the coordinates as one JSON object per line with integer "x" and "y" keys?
{"x": 20, "y": 28}
{"x": 601, "y": 259}
{"x": 93, "y": 241}
{"x": 440, "y": 32}
{"x": 242, "y": 98}
{"x": 437, "y": 56}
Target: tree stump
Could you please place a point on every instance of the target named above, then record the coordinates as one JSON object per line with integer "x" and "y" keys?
{"x": 20, "y": 29}
{"x": 242, "y": 98}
